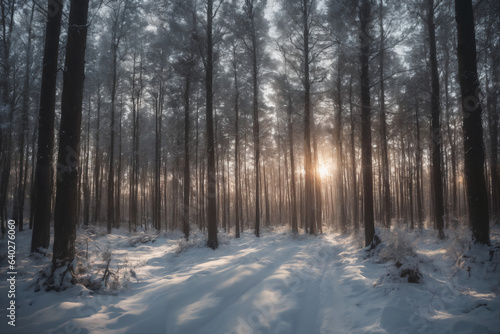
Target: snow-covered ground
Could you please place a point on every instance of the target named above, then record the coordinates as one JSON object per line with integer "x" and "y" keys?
{"x": 272, "y": 284}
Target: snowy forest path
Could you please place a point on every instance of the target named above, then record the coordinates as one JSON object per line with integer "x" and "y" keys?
{"x": 321, "y": 301}
{"x": 272, "y": 284}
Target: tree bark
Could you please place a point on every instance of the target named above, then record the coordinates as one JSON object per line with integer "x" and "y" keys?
{"x": 118, "y": 189}
{"x": 493, "y": 117}
{"x": 293, "y": 207}
{"x": 366, "y": 138}
{"x": 187, "y": 176}
{"x": 86, "y": 181}
{"x": 157, "y": 169}
{"x": 44, "y": 170}
{"x": 18, "y": 210}
{"x": 212, "y": 241}
{"x": 418, "y": 161}
{"x": 310, "y": 219}
{"x": 339, "y": 154}
{"x": 98, "y": 158}
{"x": 437, "y": 177}
{"x": 111, "y": 169}
{"x": 317, "y": 189}
{"x": 65, "y": 214}
{"x": 8, "y": 99}
{"x": 477, "y": 197}
{"x": 236, "y": 146}
{"x": 355, "y": 206}
{"x": 387, "y": 206}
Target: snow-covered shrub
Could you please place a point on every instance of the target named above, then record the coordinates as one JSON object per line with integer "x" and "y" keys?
{"x": 100, "y": 271}
{"x": 225, "y": 238}
{"x": 480, "y": 262}
{"x": 60, "y": 279}
{"x": 409, "y": 268}
{"x": 475, "y": 261}
{"x": 143, "y": 238}
{"x": 197, "y": 239}
{"x": 396, "y": 247}
{"x": 278, "y": 229}
{"x": 94, "y": 231}
{"x": 461, "y": 239}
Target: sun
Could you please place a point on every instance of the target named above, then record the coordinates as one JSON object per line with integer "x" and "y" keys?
{"x": 323, "y": 171}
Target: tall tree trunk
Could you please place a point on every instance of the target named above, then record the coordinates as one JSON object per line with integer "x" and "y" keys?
{"x": 418, "y": 161}
{"x": 134, "y": 175}
{"x": 355, "y": 206}
{"x": 317, "y": 189}
{"x": 212, "y": 241}
{"x": 402, "y": 186}
{"x": 236, "y": 146}
{"x": 450, "y": 138}
{"x": 248, "y": 200}
{"x": 493, "y": 116}
{"x": 197, "y": 167}
{"x": 402, "y": 183}
{"x": 18, "y": 212}
{"x": 302, "y": 201}
{"x": 387, "y": 206}
{"x": 32, "y": 176}
{"x": 227, "y": 203}
{"x": 477, "y": 197}
{"x": 119, "y": 169}
{"x": 280, "y": 185}
{"x": 111, "y": 169}
{"x": 366, "y": 138}
{"x": 410, "y": 187}
{"x": 437, "y": 178}
{"x": 450, "y": 185}
{"x": 187, "y": 177}
{"x": 65, "y": 217}
{"x": 8, "y": 100}
{"x": 86, "y": 181}
{"x": 157, "y": 169}
{"x": 310, "y": 218}
{"x": 339, "y": 154}
{"x": 252, "y": 48}
{"x": 97, "y": 167}
{"x": 44, "y": 171}
{"x": 217, "y": 169}
{"x": 203, "y": 205}
{"x": 293, "y": 206}
{"x": 266, "y": 199}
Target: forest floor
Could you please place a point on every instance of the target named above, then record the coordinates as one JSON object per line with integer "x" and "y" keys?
{"x": 159, "y": 283}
